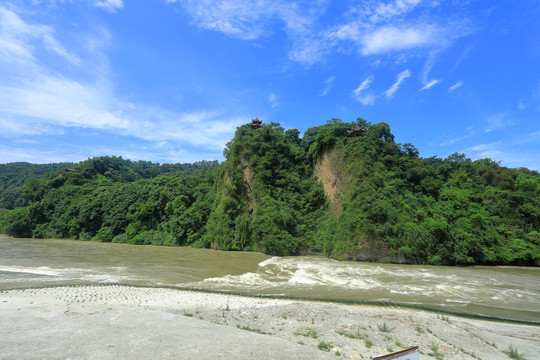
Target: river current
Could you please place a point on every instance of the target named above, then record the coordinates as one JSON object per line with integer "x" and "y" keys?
{"x": 501, "y": 292}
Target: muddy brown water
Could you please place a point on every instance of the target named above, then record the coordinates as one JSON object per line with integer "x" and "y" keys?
{"x": 501, "y": 292}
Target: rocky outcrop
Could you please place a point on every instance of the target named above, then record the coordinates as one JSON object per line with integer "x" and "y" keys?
{"x": 246, "y": 176}
{"x": 328, "y": 170}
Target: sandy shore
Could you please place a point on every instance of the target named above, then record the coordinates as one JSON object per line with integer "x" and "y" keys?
{"x": 122, "y": 322}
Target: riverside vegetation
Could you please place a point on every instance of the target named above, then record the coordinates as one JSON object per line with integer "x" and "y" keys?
{"x": 364, "y": 197}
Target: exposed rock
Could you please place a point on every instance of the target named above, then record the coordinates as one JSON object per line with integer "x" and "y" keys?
{"x": 246, "y": 176}
{"x": 335, "y": 182}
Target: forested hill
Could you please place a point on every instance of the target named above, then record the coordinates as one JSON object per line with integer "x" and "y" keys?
{"x": 357, "y": 196}
{"x": 13, "y": 176}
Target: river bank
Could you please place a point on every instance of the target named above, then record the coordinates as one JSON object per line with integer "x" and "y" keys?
{"x": 126, "y": 322}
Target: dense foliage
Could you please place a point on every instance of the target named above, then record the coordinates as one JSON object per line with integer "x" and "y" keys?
{"x": 13, "y": 176}
{"x": 266, "y": 197}
{"x": 111, "y": 199}
{"x": 451, "y": 211}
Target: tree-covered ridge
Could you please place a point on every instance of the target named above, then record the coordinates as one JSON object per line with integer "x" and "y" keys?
{"x": 112, "y": 199}
{"x": 13, "y": 176}
{"x": 452, "y": 211}
{"x": 266, "y": 197}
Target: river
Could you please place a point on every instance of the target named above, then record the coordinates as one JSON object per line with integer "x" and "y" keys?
{"x": 501, "y": 292}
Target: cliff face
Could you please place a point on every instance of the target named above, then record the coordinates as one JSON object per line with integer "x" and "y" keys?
{"x": 328, "y": 170}
{"x": 331, "y": 172}
{"x": 246, "y": 177}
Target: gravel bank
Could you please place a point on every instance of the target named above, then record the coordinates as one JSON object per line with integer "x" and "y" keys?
{"x": 106, "y": 322}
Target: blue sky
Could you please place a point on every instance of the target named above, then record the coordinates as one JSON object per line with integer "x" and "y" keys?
{"x": 170, "y": 80}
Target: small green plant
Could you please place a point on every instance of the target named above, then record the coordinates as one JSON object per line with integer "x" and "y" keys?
{"x": 188, "y": 314}
{"x": 324, "y": 346}
{"x": 312, "y": 333}
{"x": 419, "y": 330}
{"x": 398, "y": 343}
{"x": 513, "y": 353}
{"x": 349, "y": 335}
{"x": 389, "y": 349}
{"x": 435, "y": 352}
{"x": 384, "y": 328}
{"x": 445, "y": 318}
{"x": 469, "y": 353}
{"x": 253, "y": 330}
{"x": 368, "y": 343}
{"x": 337, "y": 353}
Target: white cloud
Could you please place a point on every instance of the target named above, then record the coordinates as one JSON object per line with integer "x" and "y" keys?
{"x": 110, "y": 5}
{"x": 455, "y": 86}
{"x": 488, "y": 150}
{"x": 273, "y": 100}
{"x": 430, "y": 84}
{"x": 59, "y": 102}
{"x": 509, "y": 153}
{"x": 391, "y": 38}
{"x": 360, "y": 95}
{"x": 469, "y": 133}
{"x": 373, "y": 28}
{"x": 363, "y": 86}
{"x": 428, "y": 66}
{"x": 39, "y": 100}
{"x": 400, "y": 78}
{"x": 327, "y": 86}
{"x": 496, "y": 122}
{"x": 18, "y": 40}
{"x": 384, "y": 11}
{"x": 245, "y": 19}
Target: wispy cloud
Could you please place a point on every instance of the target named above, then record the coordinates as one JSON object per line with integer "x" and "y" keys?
{"x": 360, "y": 92}
{"x": 488, "y": 150}
{"x": 384, "y": 11}
{"x": 245, "y": 19}
{"x": 391, "y": 38}
{"x": 497, "y": 121}
{"x": 373, "y": 28}
{"x": 455, "y": 86}
{"x": 273, "y": 100}
{"x": 111, "y": 6}
{"x": 18, "y": 40}
{"x": 327, "y": 85}
{"x": 400, "y": 78}
{"x": 469, "y": 132}
{"x": 41, "y": 100}
{"x": 428, "y": 66}
{"x": 508, "y": 153}
{"x": 430, "y": 84}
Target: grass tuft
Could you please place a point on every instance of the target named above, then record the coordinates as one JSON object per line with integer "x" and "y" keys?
{"x": 513, "y": 353}
{"x": 324, "y": 346}
{"x": 384, "y": 328}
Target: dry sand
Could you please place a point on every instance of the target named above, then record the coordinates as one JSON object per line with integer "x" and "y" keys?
{"x": 123, "y": 322}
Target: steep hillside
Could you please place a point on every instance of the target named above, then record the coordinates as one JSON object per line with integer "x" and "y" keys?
{"x": 329, "y": 170}
{"x": 267, "y": 199}
{"x": 346, "y": 190}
